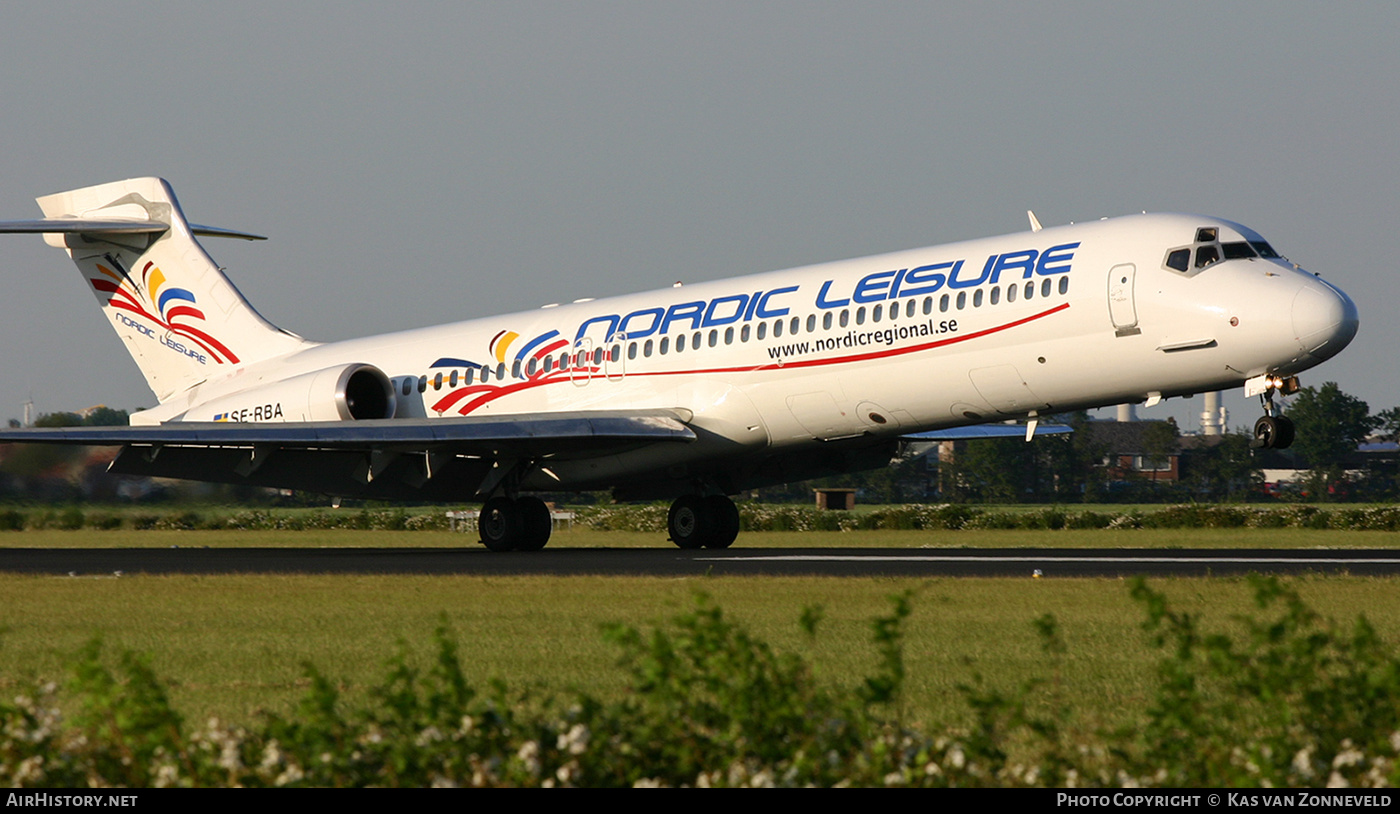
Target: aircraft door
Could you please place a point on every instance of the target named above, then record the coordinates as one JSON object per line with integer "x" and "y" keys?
{"x": 615, "y": 359}
{"x": 1122, "y": 308}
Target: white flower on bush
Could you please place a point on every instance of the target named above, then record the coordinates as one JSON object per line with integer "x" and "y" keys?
{"x": 575, "y": 741}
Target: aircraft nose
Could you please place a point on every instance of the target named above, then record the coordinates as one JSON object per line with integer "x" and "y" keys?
{"x": 1324, "y": 319}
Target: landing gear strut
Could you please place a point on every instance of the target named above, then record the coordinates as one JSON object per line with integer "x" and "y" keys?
{"x": 1274, "y": 431}
{"x": 697, "y": 521}
{"x": 514, "y": 524}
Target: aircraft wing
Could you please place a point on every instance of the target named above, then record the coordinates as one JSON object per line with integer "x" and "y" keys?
{"x": 519, "y": 433}
{"x": 392, "y": 459}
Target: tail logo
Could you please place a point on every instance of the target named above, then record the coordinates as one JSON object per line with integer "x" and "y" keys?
{"x": 168, "y": 306}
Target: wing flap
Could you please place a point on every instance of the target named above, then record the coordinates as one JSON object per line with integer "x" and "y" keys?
{"x": 980, "y": 431}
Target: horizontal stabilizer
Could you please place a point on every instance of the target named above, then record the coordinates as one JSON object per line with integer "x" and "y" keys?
{"x": 115, "y": 226}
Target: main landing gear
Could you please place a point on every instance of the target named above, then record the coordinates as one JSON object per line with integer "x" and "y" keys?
{"x": 515, "y": 524}
{"x": 524, "y": 524}
{"x": 1274, "y": 431}
{"x": 696, "y": 521}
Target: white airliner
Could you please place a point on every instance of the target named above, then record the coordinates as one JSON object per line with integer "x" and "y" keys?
{"x": 693, "y": 392}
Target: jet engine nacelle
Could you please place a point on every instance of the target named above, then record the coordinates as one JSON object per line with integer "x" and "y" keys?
{"x": 344, "y": 393}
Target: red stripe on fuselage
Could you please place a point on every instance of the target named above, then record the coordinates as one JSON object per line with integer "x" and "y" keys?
{"x": 504, "y": 390}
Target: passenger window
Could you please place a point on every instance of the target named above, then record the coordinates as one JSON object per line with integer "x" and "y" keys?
{"x": 422, "y": 384}
{"x": 631, "y": 350}
{"x": 680, "y": 343}
{"x": 762, "y": 330}
{"x": 876, "y": 312}
{"x": 860, "y": 315}
{"x": 714, "y": 338}
{"x": 1011, "y": 293}
{"x": 977, "y": 298}
{"x": 1030, "y": 290}
{"x": 777, "y": 328}
{"x": 515, "y": 367}
{"x": 646, "y": 349}
{"x": 532, "y": 366}
{"x": 469, "y": 375}
{"x": 665, "y": 344}
{"x": 962, "y": 300}
{"x": 1064, "y": 285}
{"x": 1045, "y": 287}
{"x": 811, "y": 322}
{"x": 729, "y": 336}
{"x": 996, "y": 295}
{"x": 452, "y": 379}
{"x": 744, "y": 333}
{"x": 826, "y": 321}
{"x": 794, "y": 326}
{"x": 845, "y": 317}
{"x": 942, "y": 303}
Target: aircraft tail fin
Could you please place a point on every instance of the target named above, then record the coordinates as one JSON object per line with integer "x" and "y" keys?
{"x": 179, "y": 316}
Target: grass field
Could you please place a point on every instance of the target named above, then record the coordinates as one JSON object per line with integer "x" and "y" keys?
{"x": 234, "y": 645}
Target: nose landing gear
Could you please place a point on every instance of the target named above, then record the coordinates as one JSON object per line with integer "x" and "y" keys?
{"x": 1273, "y": 431}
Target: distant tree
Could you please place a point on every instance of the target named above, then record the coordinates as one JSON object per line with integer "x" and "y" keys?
{"x": 1078, "y": 465}
{"x": 1388, "y": 422}
{"x": 1159, "y": 441}
{"x": 59, "y": 420}
{"x": 106, "y": 417}
{"x": 996, "y": 470}
{"x": 1329, "y": 424}
{"x": 1228, "y": 470}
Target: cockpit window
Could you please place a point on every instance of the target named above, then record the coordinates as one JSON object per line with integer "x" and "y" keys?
{"x": 1209, "y": 250}
{"x": 1236, "y": 251}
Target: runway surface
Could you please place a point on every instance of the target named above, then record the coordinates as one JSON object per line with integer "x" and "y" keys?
{"x": 671, "y": 562}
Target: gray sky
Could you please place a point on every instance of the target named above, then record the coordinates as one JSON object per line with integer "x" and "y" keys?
{"x": 428, "y": 162}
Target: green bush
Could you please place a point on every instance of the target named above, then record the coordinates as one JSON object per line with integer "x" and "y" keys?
{"x": 12, "y": 520}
